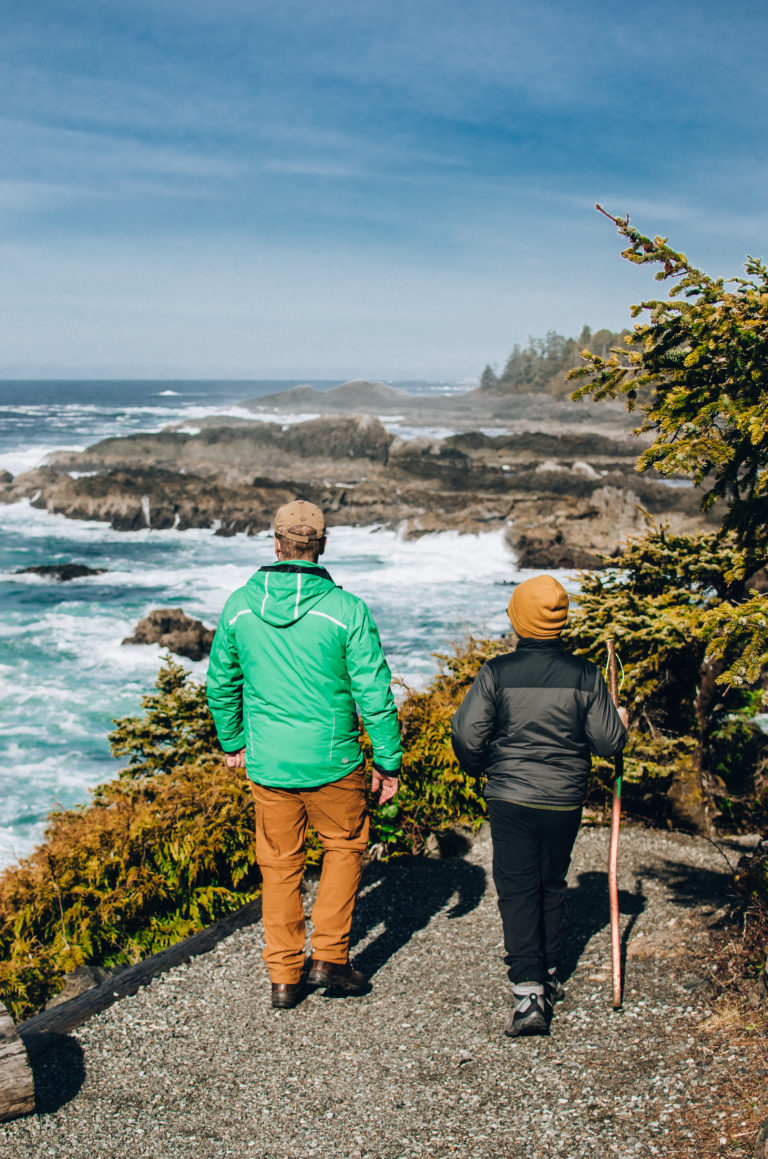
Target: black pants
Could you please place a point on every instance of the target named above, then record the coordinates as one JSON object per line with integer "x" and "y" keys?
{"x": 531, "y": 854}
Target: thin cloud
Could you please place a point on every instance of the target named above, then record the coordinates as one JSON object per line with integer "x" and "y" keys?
{"x": 27, "y": 144}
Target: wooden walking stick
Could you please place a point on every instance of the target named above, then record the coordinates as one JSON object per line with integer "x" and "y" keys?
{"x": 613, "y": 849}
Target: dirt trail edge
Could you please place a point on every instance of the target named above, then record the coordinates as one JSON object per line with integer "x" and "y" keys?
{"x": 197, "y": 1063}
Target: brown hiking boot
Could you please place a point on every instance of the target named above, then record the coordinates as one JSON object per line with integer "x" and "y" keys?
{"x": 285, "y": 995}
{"x": 337, "y": 975}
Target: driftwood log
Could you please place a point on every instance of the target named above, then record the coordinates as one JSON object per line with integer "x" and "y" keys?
{"x": 17, "y": 1085}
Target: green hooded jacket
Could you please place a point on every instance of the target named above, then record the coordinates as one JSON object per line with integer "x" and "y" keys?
{"x": 292, "y": 656}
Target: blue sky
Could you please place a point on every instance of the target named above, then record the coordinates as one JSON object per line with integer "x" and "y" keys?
{"x": 352, "y": 188}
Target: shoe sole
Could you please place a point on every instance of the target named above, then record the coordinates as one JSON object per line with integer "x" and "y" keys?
{"x": 525, "y": 1027}
{"x": 285, "y": 1004}
{"x": 318, "y": 978}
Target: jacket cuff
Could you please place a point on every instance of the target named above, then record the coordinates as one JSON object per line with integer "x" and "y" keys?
{"x": 377, "y": 768}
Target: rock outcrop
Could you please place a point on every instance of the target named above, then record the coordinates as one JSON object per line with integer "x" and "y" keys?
{"x": 63, "y": 572}
{"x": 171, "y": 628}
{"x": 565, "y": 499}
{"x": 236, "y": 452}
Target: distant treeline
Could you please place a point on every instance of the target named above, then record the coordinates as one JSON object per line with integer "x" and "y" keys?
{"x": 543, "y": 364}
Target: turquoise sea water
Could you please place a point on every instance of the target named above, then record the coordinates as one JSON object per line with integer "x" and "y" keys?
{"x": 64, "y": 674}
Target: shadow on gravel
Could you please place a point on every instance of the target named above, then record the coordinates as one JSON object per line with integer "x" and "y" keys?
{"x": 586, "y": 913}
{"x": 58, "y": 1067}
{"x": 403, "y": 897}
{"x": 690, "y": 885}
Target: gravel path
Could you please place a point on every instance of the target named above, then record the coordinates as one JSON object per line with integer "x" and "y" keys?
{"x": 197, "y": 1064}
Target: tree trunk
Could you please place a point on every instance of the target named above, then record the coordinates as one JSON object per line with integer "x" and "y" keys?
{"x": 688, "y": 796}
{"x": 17, "y": 1087}
{"x": 688, "y": 800}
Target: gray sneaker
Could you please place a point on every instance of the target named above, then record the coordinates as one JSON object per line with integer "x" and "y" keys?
{"x": 533, "y": 1010}
{"x": 553, "y": 987}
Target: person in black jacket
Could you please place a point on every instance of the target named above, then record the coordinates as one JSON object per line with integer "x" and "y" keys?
{"x": 529, "y": 723}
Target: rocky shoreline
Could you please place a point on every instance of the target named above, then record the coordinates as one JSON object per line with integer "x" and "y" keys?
{"x": 565, "y": 495}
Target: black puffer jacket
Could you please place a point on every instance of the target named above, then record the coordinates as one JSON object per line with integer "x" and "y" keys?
{"x": 530, "y": 721}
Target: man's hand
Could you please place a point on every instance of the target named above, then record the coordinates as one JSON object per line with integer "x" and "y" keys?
{"x": 235, "y": 760}
{"x": 387, "y": 782}
{"x": 624, "y": 716}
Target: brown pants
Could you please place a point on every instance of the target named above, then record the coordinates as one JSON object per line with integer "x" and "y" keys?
{"x": 339, "y": 814}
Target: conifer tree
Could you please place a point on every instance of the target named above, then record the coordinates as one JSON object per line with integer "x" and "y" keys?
{"x": 696, "y": 368}
{"x": 488, "y": 379}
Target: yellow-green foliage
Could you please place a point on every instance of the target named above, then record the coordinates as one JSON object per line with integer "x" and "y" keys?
{"x": 696, "y": 366}
{"x": 160, "y": 852}
{"x": 119, "y": 879}
{"x": 435, "y": 793}
{"x": 737, "y": 635}
{"x": 657, "y": 606}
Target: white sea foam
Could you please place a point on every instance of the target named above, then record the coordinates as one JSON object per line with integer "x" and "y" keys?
{"x": 283, "y": 418}
{"x": 10, "y": 630}
{"x": 35, "y": 522}
{"x": 57, "y": 773}
{"x": 28, "y": 458}
{"x": 439, "y": 557}
{"x": 14, "y": 847}
{"x": 406, "y": 430}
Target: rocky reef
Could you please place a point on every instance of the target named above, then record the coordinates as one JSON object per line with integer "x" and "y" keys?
{"x": 567, "y": 495}
{"x": 173, "y": 629}
{"x": 61, "y": 572}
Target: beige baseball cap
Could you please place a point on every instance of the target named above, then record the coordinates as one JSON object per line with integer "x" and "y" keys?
{"x": 300, "y": 513}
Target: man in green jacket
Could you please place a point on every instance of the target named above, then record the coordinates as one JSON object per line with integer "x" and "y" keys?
{"x": 292, "y": 657}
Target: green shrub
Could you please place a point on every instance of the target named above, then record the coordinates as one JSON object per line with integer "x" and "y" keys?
{"x": 175, "y": 729}
{"x": 114, "y": 881}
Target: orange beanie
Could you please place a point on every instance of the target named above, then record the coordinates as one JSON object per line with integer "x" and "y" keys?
{"x": 539, "y": 607}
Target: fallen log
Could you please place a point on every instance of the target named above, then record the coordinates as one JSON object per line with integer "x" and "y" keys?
{"x": 60, "y": 1019}
{"x": 17, "y": 1085}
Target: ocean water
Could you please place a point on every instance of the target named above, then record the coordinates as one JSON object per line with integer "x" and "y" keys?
{"x": 64, "y": 674}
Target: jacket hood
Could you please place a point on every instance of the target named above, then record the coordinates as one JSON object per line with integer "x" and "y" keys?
{"x": 282, "y": 593}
